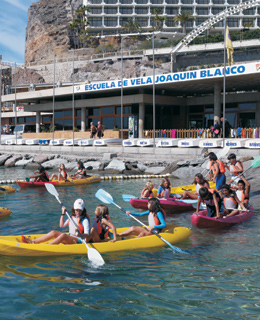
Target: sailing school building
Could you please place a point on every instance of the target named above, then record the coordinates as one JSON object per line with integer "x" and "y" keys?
{"x": 183, "y": 100}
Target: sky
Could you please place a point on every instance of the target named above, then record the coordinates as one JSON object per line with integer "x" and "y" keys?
{"x": 13, "y": 21}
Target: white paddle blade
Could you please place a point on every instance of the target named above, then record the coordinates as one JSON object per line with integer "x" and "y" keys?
{"x": 51, "y": 189}
{"x": 104, "y": 196}
{"x": 191, "y": 201}
{"x": 95, "y": 257}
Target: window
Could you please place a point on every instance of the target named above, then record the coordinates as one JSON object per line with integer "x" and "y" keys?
{"x": 217, "y": 10}
{"x": 200, "y": 21}
{"x": 187, "y": 10}
{"x": 95, "y": 22}
{"x": 96, "y": 1}
{"x": 46, "y": 118}
{"x": 172, "y": 1}
{"x": 110, "y": 22}
{"x": 20, "y": 120}
{"x": 108, "y": 110}
{"x": 202, "y": 1}
{"x": 233, "y": 22}
{"x": 110, "y": 10}
{"x": 195, "y": 121}
{"x": 58, "y": 114}
{"x": 202, "y": 11}
{"x": 78, "y": 112}
{"x": 67, "y": 124}
{"x": 233, "y": 1}
{"x": 247, "y": 120}
{"x": 58, "y": 124}
{"x": 156, "y": 1}
{"x": 140, "y": 1}
{"x": 95, "y": 10}
{"x": 218, "y": 1}
{"x": 128, "y": 1}
{"x": 196, "y": 109}
{"x": 93, "y": 111}
{"x": 142, "y": 21}
{"x": 67, "y": 113}
{"x": 30, "y": 119}
{"x": 110, "y": 1}
{"x": 141, "y": 10}
{"x": 126, "y": 10}
{"x": 170, "y": 22}
{"x": 172, "y": 11}
{"x": 247, "y": 106}
{"x": 249, "y": 12}
{"x": 187, "y": 1}
{"x": 118, "y": 123}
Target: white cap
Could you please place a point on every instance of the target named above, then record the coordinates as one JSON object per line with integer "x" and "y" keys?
{"x": 79, "y": 204}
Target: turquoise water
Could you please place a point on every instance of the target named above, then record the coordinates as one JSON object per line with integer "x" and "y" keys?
{"x": 219, "y": 280}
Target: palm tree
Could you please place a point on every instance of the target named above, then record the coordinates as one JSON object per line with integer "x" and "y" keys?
{"x": 183, "y": 18}
{"x": 158, "y": 20}
{"x": 131, "y": 26}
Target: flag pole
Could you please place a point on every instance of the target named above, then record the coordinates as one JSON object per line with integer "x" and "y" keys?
{"x": 224, "y": 86}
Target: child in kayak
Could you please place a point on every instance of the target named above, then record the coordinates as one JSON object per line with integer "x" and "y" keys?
{"x": 230, "y": 201}
{"x": 81, "y": 172}
{"x": 42, "y": 175}
{"x": 81, "y": 218}
{"x": 218, "y": 169}
{"x": 200, "y": 182}
{"x": 147, "y": 192}
{"x": 243, "y": 191}
{"x": 213, "y": 202}
{"x": 164, "y": 190}
{"x": 101, "y": 225}
{"x": 63, "y": 174}
{"x": 156, "y": 220}
{"x": 235, "y": 168}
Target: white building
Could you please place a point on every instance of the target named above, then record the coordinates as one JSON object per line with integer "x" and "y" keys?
{"x": 108, "y": 16}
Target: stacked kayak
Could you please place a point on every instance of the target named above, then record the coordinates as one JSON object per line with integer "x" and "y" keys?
{"x": 56, "y": 183}
{"x": 4, "y": 212}
{"x": 13, "y": 245}
{"x": 7, "y": 189}
{"x": 181, "y": 189}
{"x": 201, "y": 220}
{"x": 169, "y": 205}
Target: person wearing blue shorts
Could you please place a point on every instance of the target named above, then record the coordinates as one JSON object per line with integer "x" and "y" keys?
{"x": 218, "y": 169}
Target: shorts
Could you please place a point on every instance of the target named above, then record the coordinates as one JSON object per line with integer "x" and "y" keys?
{"x": 211, "y": 211}
{"x": 220, "y": 181}
{"x": 156, "y": 230}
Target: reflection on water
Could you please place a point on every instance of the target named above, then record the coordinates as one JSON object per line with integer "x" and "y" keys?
{"x": 219, "y": 280}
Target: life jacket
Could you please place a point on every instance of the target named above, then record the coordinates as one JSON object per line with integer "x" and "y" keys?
{"x": 222, "y": 169}
{"x": 241, "y": 195}
{"x": 198, "y": 186}
{"x": 235, "y": 173}
{"x": 156, "y": 220}
{"x": 149, "y": 192}
{"x": 45, "y": 176}
{"x": 103, "y": 233}
{"x": 230, "y": 202}
{"x": 64, "y": 174}
{"x": 79, "y": 222}
{"x": 82, "y": 172}
{"x": 161, "y": 194}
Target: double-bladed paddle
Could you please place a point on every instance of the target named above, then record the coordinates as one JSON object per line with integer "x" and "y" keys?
{"x": 93, "y": 255}
{"x": 254, "y": 164}
{"x": 105, "y": 197}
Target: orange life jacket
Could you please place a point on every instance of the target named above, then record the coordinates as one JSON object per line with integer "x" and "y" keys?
{"x": 156, "y": 220}
{"x": 222, "y": 169}
{"x": 235, "y": 173}
{"x": 103, "y": 233}
{"x": 64, "y": 173}
{"x": 150, "y": 193}
{"x": 79, "y": 222}
{"x": 160, "y": 195}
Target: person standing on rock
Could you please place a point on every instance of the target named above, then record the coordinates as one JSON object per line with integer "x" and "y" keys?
{"x": 93, "y": 131}
{"x": 100, "y": 130}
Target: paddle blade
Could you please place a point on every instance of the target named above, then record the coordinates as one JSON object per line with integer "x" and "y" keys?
{"x": 51, "y": 189}
{"x": 128, "y": 197}
{"x": 95, "y": 257}
{"x": 104, "y": 196}
{"x": 256, "y": 162}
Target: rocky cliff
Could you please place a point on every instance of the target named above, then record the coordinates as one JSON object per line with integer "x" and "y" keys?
{"x": 46, "y": 32}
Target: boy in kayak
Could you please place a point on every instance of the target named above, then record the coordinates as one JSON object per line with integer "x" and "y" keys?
{"x": 235, "y": 168}
{"x": 147, "y": 192}
{"x": 81, "y": 218}
{"x": 231, "y": 202}
{"x": 156, "y": 220}
{"x": 164, "y": 190}
{"x": 213, "y": 202}
{"x": 42, "y": 175}
{"x": 218, "y": 169}
{"x": 101, "y": 225}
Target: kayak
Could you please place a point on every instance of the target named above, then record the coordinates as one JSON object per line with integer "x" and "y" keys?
{"x": 4, "y": 212}
{"x": 13, "y": 245}
{"x": 56, "y": 183}
{"x": 201, "y": 220}
{"x": 169, "y": 205}
{"x": 181, "y": 189}
{"x": 8, "y": 189}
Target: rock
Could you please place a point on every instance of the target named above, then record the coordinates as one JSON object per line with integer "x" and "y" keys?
{"x": 116, "y": 165}
{"x": 132, "y": 172}
{"x": 40, "y": 158}
{"x": 24, "y": 162}
{"x": 109, "y": 156}
{"x": 94, "y": 164}
{"x": 187, "y": 172}
{"x": 128, "y": 166}
{"x": 245, "y": 158}
{"x": 154, "y": 170}
{"x": 196, "y": 162}
{"x": 3, "y": 158}
{"x": 141, "y": 167}
{"x": 55, "y": 163}
{"x": 71, "y": 166}
{"x": 183, "y": 163}
{"x": 11, "y": 161}
{"x": 171, "y": 167}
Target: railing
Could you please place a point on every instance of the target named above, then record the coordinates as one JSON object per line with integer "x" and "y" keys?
{"x": 194, "y": 133}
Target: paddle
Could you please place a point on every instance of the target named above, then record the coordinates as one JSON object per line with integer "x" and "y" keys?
{"x": 128, "y": 197}
{"x": 254, "y": 164}
{"x": 105, "y": 197}
{"x": 93, "y": 255}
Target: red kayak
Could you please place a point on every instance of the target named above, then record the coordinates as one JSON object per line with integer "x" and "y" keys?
{"x": 201, "y": 220}
{"x": 170, "y": 206}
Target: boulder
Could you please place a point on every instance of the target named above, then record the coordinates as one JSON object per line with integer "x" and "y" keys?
{"x": 11, "y": 161}
{"x": 71, "y": 166}
{"x": 154, "y": 170}
{"x": 245, "y": 158}
{"x": 109, "y": 156}
{"x": 3, "y": 158}
{"x": 141, "y": 167}
{"x": 171, "y": 167}
{"x": 55, "y": 163}
{"x": 187, "y": 172}
{"x": 23, "y": 162}
{"x": 40, "y": 158}
{"x": 116, "y": 165}
{"x": 133, "y": 171}
{"x": 94, "y": 164}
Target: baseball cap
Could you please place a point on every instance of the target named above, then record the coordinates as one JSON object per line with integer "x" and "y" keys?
{"x": 79, "y": 204}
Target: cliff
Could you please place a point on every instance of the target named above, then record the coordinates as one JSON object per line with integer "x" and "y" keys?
{"x": 47, "y": 29}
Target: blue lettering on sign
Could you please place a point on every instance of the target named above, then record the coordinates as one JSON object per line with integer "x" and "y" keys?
{"x": 169, "y": 78}
{"x": 98, "y": 142}
{"x": 185, "y": 144}
{"x": 207, "y": 144}
{"x": 203, "y": 74}
{"x": 231, "y": 144}
{"x": 129, "y": 143}
{"x": 254, "y": 144}
{"x": 164, "y": 143}
{"x": 143, "y": 142}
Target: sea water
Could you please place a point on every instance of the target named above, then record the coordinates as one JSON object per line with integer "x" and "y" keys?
{"x": 220, "y": 279}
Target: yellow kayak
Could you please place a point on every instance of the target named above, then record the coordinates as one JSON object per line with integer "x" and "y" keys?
{"x": 188, "y": 187}
{"x": 8, "y": 189}
{"x": 4, "y": 212}
{"x": 13, "y": 245}
{"x": 56, "y": 183}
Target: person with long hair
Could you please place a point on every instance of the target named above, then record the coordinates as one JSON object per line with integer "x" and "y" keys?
{"x": 199, "y": 182}
{"x": 147, "y": 191}
{"x": 164, "y": 189}
{"x": 156, "y": 220}
{"x": 81, "y": 172}
{"x": 63, "y": 174}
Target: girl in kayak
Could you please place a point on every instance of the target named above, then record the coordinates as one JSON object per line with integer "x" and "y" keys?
{"x": 218, "y": 169}
{"x": 200, "y": 182}
{"x": 213, "y": 202}
{"x": 63, "y": 174}
{"x": 81, "y": 172}
{"x": 81, "y": 218}
{"x": 230, "y": 201}
{"x": 243, "y": 191}
{"x": 42, "y": 175}
{"x": 101, "y": 225}
{"x": 147, "y": 192}
{"x": 156, "y": 220}
{"x": 164, "y": 190}
{"x": 236, "y": 169}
